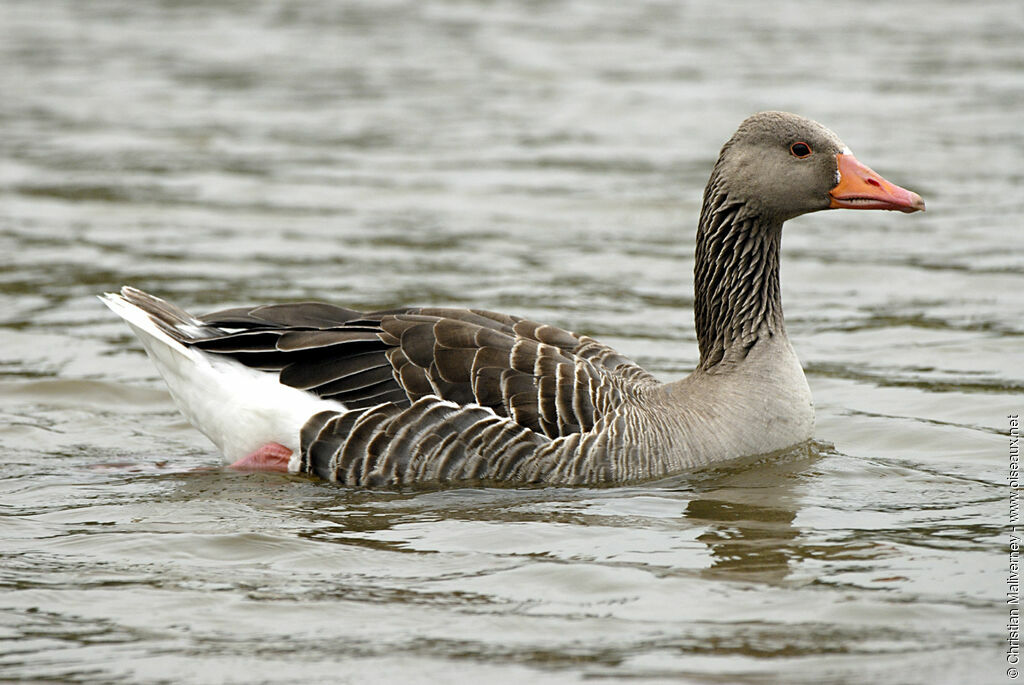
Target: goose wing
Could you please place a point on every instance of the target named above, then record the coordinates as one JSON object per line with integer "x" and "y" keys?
{"x": 546, "y": 379}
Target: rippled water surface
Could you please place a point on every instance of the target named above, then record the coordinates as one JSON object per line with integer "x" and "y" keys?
{"x": 545, "y": 159}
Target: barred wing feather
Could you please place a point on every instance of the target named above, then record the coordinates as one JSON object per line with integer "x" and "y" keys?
{"x": 545, "y": 379}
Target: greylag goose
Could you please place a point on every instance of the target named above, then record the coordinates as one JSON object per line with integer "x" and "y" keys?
{"x": 457, "y": 396}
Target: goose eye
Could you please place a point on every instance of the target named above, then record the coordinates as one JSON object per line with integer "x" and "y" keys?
{"x": 800, "y": 150}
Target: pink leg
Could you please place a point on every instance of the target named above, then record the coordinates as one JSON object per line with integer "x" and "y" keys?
{"x": 270, "y": 457}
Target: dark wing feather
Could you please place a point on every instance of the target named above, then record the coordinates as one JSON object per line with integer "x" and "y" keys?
{"x": 293, "y": 315}
{"x": 546, "y": 379}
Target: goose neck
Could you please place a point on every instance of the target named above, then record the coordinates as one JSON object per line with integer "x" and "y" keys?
{"x": 736, "y": 279}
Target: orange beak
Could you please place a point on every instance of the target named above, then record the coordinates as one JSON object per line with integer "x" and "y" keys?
{"x": 861, "y": 188}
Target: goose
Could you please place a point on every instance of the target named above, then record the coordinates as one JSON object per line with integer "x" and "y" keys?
{"x": 447, "y": 396}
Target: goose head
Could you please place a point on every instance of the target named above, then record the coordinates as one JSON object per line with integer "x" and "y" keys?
{"x": 781, "y": 165}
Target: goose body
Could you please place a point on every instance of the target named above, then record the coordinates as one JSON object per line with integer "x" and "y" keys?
{"x": 434, "y": 395}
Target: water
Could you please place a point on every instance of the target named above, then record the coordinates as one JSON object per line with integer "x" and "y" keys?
{"x": 547, "y": 160}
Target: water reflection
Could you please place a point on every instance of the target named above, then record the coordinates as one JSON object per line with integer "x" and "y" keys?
{"x": 748, "y": 517}
{"x": 743, "y": 515}
{"x": 746, "y": 542}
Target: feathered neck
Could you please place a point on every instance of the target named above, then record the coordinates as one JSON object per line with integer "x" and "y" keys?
{"x": 736, "y": 277}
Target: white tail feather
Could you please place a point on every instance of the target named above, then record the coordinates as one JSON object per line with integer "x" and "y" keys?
{"x": 240, "y": 409}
